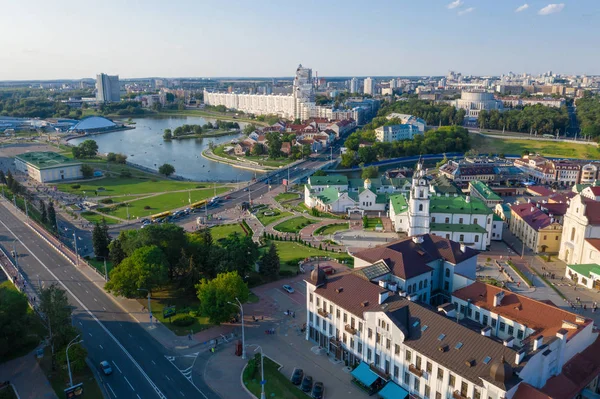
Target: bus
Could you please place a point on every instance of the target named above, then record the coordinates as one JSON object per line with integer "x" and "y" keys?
{"x": 198, "y": 204}
{"x": 160, "y": 216}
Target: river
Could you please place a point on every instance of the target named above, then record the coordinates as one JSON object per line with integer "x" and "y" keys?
{"x": 145, "y": 146}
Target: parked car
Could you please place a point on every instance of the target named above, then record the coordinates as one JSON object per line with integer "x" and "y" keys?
{"x": 307, "y": 383}
{"x": 317, "y": 391}
{"x": 297, "y": 376}
{"x": 105, "y": 367}
{"x": 288, "y": 288}
{"x": 145, "y": 221}
{"x": 228, "y": 197}
{"x": 246, "y": 189}
{"x": 329, "y": 270}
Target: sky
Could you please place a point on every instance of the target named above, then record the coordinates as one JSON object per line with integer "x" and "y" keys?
{"x": 60, "y": 39}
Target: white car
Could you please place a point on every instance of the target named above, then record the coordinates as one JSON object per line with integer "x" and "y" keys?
{"x": 105, "y": 366}
{"x": 288, "y": 288}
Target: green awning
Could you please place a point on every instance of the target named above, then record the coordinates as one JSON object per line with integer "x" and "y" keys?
{"x": 364, "y": 374}
{"x": 392, "y": 391}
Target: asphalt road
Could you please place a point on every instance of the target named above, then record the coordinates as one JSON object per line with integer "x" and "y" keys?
{"x": 141, "y": 369}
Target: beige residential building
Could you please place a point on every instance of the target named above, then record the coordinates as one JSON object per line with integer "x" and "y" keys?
{"x": 536, "y": 229}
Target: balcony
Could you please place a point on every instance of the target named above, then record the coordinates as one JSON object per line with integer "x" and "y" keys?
{"x": 350, "y": 330}
{"x": 379, "y": 372}
{"x": 322, "y": 312}
{"x": 415, "y": 371}
{"x": 458, "y": 395}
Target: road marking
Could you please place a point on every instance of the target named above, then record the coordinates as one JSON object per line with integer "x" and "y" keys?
{"x": 130, "y": 335}
{"x": 72, "y": 278}
{"x": 168, "y": 377}
{"x": 104, "y": 308}
{"x": 141, "y": 348}
{"x": 79, "y": 284}
{"x": 86, "y": 291}
{"x": 153, "y": 362}
{"x": 100, "y": 346}
{"x": 109, "y": 387}
{"x": 136, "y": 364}
{"x": 95, "y": 300}
{"x": 129, "y": 383}
{"x": 117, "y": 367}
{"x": 181, "y": 393}
{"x": 139, "y": 397}
{"x": 90, "y": 334}
{"x": 80, "y": 323}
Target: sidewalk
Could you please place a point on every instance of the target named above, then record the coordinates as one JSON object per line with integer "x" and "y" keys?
{"x": 27, "y": 377}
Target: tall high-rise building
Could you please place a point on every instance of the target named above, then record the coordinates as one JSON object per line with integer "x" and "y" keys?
{"x": 303, "y": 85}
{"x": 393, "y": 84}
{"x": 108, "y": 88}
{"x": 353, "y": 85}
{"x": 368, "y": 89}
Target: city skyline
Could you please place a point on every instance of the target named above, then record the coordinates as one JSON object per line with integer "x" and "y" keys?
{"x": 191, "y": 39}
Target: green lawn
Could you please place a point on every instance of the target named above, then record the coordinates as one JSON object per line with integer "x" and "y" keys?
{"x": 122, "y": 186}
{"x": 278, "y": 385}
{"x": 222, "y": 231}
{"x": 292, "y": 252}
{"x": 159, "y": 203}
{"x": 286, "y": 197}
{"x": 261, "y": 160}
{"x": 332, "y": 228}
{"x": 94, "y": 217}
{"x": 267, "y": 220}
{"x": 59, "y": 379}
{"x": 546, "y": 148}
{"x": 99, "y": 264}
{"x": 372, "y": 222}
{"x": 293, "y": 225}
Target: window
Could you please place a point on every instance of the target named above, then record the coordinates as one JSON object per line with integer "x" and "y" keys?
{"x": 573, "y": 230}
{"x": 388, "y": 344}
{"x": 330, "y": 308}
{"x": 406, "y": 378}
{"x": 377, "y": 358}
{"x": 511, "y": 330}
{"x": 429, "y": 367}
{"x": 462, "y": 309}
{"x": 447, "y": 272}
{"x": 476, "y": 394}
{"x": 360, "y": 326}
{"x": 396, "y": 372}
{"x": 409, "y": 289}
{"x": 460, "y": 220}
{"x": 420, "y": 207}
{"x": 477, "y": 316}
{"x": 377, "y": 338}
{"x": 545, "y": 237}
{"x": 310, "y": 317}
{"x": 475, "y": 220}
{"x": 310, "y": 298}
{"x": 415, "y": 287}
{"x": 417, "y": 384}
{"x": 485, "y": 320}
{"x": 448, "y": 236}
{"x": 351, "y": 342}
{"x": 425, "y": 283}
{"x": 464, "y": 388}
{"x": 420, "y": 285}
{"x": 461, "y": 237}
{"x": 470, "y": 312}
{"x": 359, "y": 347}
{"x": 438, "y": 395}
{"x": 344, "y": 338}
{"x": 387, "y": 367}
{"x": 476, "y": 238}
{"x": 520, "y": 334}
{"x": 494, "y": 321}
{"x": 433, "y": 220}
{"x": 502, "y": 326}
{"x": 452, "y": 380}
{"x": 427, "y": 391}
{"x": 318, "y": 301}
{"x": 556, "y": 238}
{"x": 325, "y": 324}
{"x": 324, "y": 305}
{"x": 418, "y": 362}
{"x": 352, "y": 322}
{"x": 368, "y": 355}
{"x": 440, "y": 373}
{"x": 446, "y": 286}
{"x": 370, "y": 333}
{"x": 345, "y": 317}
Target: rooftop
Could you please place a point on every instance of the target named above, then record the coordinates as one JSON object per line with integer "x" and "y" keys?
{"x": 544, "y": 318}
{"x": 532, "y": 215}
{"x": 457, "y": 228}
{"x": 337, "y": 180}
{"x": 47, "y": 160}
{"x": 458, "y": 205}
{"x": 484, "y": 191}
{"x": 93, "y": 123}
{"x": 328, "y": 195}
{"x": 540, "y": 191}
{"x": 398, "y": 203}
{"x": 586, "y": 269}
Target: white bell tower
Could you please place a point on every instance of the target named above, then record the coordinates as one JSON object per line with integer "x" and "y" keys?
{"x": 418, "y": 205}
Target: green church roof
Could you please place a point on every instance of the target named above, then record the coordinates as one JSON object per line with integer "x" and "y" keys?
{"x": 458, "y": 204}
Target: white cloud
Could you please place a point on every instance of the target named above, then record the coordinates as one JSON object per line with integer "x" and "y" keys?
{"x": 455, "y": 3}
{"x": 551, "y": 9}
{"x": 466, "y": 11}
{"x": 522, "y": 8}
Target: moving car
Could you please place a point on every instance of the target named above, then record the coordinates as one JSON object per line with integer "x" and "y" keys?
{"x": 297, "y": 376}
{"x": 288, "y": 288}
{"x": 105, "y": 366}
{"x": 228, "y": 197}
{"x": 317, "y": 391}
{"x": 307, "y": 383}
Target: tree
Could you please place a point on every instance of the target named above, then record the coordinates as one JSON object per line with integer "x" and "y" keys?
{"x": 111, "y": 157}
{"x": 241, "y": 253}
{"x": 52, "y": 216}
{"x": 2, "y": 177}
{"x": 167, "y": 135}
{"x": 146, "y": 268}
{"x": 44, "y": 214}
{"x": 166, "y": 169}
{"x": 249, "y": 128}
{"x": 170, "y": 97}
{"x": 269, "y": 262}
{"x": 77, "y": 355}
{"x": 320, "y": 172}
{"x": 13, "y": 319}
{"x": 116, "y": 253}
{"x": 89, "y": 148}
{"x": 87, "y": 171}
{"x": 257, "y": 149}
{"x": 216, "y": 296}
{"x": 370, "y": 172}
{"x": 54, "y": 305}
{"x": 274, "y": 144}
{"x": 101, "y": 239}
{"x": 121, "y": 158}
{"x": 9, "y": 180}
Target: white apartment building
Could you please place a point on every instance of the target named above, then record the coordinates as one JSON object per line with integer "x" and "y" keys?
{"x": 108, "y": 88}
{"x": 386, "y": 134}
{"x": 369, "y": 86}
{"x": 353, "y": 85}
{"x": 409, "y": 119}
{"x": 368, "y": 317}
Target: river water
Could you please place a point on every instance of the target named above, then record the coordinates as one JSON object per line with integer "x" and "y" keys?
{"x": 145, "y": 146}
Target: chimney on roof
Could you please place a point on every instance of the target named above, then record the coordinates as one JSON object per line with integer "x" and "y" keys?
{"x": 486, "y": 331}
{"x": 339, "y": 290}
{"x": 538, "y": 205}
{"x": 383, "y": 283}
{"x": 364, "y": 304}
{"x": 537, "y": 343}
{"x": 383, "y": 296}
{"x": 529, "y": 200}
{"x": 498, "y": 298}
{"x": 509, "y": 342}
{"x": 417, "y": 239}
{"x": 551, "y": 220}
{"x": 468, "y": 199}
{"x": 520, "y": 356}
{"x": 532, "y": 208}
{"x": 463, "y": 247}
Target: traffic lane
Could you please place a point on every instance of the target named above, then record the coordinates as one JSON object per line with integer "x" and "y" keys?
{"x": 129, "y": 333}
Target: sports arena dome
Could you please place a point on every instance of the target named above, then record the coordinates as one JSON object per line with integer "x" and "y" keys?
{"x": 94, "y": 124}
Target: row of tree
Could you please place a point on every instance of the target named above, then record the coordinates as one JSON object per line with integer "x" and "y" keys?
{"x": 433, "y": 113}
{"x": 85, "y": 149}
{"x": 588, "y": 115}
{"x": 438, "y": 141}
{"x": 531, "y": 118}
{"x": 33, "y": 103}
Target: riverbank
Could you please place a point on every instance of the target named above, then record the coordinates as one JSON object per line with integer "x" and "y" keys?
{"x": 208, "y": 154}
{"x": 216, "y": 133}
{"x": 78, "y": 136}
{"x": 209, "y": 114}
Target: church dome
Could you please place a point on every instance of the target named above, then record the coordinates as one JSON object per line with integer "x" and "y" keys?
{"x": 318, "y": 276}
{"x": 501, "y": 371}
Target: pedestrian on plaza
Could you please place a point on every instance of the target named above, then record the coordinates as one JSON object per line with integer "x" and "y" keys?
{"x": 189, "y": 336}
{"x": 584, "y": 307}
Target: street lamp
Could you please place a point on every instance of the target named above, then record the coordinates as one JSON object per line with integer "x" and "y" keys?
{"x": 239, "y": 305}
{"x": 68, "y": 363}
{"x": 105, "y": 268}
{"x": 262, "y": 371}
{"x": 149, "y": 304}
{"x": 15, "y": 255}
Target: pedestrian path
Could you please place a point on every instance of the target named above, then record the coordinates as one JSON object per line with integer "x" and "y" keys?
{"x": 27, "y": 377}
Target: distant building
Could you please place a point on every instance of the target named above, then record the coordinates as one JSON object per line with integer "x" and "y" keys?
{"x": 368, "y": 86}
{"x": 537, "y": 230}
{"x": 94, "y": 124}
{"x": 353, "y": 85}
{"x": 475, "y": 101}
{"x": 409, "y": 120}
{"x": 386, "y": 134}
{"x": 48, "y": 166}
{"x": 108, "y": 88}
{"x": 481, "y": 190}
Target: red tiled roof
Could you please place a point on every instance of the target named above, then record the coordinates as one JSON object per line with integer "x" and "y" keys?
{"x": 561, "y": 197}
{"x": 592, "y": 210}
{"x": 408, "y": 259}
{"x": 526, "y": 391}
{"x": 532, "y": 215}
{"x": 545, "y": 319}
{"x": 576, "y": 374}
{"x": 594, "y": 242}
{"x": 556, "y": 208}
{"x": 595, "y": 190}
{"x": 540, "y": 190}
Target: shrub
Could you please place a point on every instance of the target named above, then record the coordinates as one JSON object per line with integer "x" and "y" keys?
{"x": 106, "y": 201}
{"x": 200, "y": 186}
{"x": 125, "y": 174}
{"x": 75, "y": 186}
{"x": 194, "y": 313}
{"x": 147, "y": 207}
{"x": 184, "y": 321}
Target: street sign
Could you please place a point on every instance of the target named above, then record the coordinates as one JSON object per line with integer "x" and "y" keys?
{"x": 74, "y": 392}
{"x": 169, "y": 311}
{"x": 263, "y": 382}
